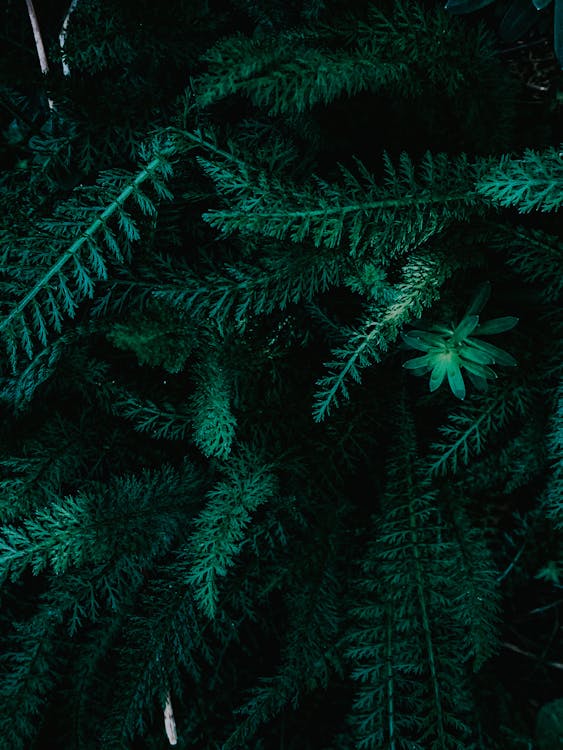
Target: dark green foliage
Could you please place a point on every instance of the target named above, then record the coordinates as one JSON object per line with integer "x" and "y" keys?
{"x": 518, "y": 17}
{"x": 225, "y": 224}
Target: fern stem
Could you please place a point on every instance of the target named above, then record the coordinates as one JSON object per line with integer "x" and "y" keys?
{"x": 210, "y": 146}
{"x": 87, "y": 234}
{"x": 390, "y": 685}
{"x": 409, "y": 200}
{"x": 62, "y": 37}
{"x": 425, "y": 618}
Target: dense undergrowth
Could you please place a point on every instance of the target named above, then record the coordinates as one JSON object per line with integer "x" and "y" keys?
{"x": 232, "y": 516}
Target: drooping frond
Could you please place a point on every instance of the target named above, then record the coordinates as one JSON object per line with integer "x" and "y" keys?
{"x": 19, "y": 388}
{"x": 220, "y": 528}
{"x": 295, "y": 70}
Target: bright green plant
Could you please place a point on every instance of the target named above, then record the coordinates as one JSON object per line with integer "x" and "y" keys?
{"x": 449, "y": 348}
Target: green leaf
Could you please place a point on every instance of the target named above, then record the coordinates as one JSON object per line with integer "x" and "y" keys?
{"x": 518, "y": 19}
{"x": 466, "y": 328}
{"x": 466, "y": 6}
{"x": 477, "y": 356}
{"x": 477, "y": 380}
{"x": 499, "y": 355}
{"x": 541, "y": 4}
{"x": 480, "y": 300}
{"x": 455, "y": 379}
{"x": 420, "y": 363}
{"x": 422, "y": 340}
{"x": 438, "y": 374}
{"x": 497, "y": 325}
{"x": 479, "y": 371}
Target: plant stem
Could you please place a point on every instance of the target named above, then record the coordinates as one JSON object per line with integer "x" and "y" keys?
{"x": 62, "y": 37}
{"x": 40, "y": 47}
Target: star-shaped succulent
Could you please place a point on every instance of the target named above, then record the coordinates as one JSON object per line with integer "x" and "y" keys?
{"x": 449, "y": 349}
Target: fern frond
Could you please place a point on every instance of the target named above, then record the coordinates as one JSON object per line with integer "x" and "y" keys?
{"x": 295, "y": 70}
{"x": 162, "y": 647}
{"x": 159, "y": 421}
{"x": 404, "y": 643}
{"x": 53, "y": 462}
{"x": 76, "y": 530}
{"x": 554, "y": 494}
{"x": 424, "y": 276}
{"x": 214, "y": 423}
{"x": 309, "y": 653}
{"x": 30, "y": 667}
{"x": 401, "y": 214}
{"x": 536, "y": 256}
{"x": 221, "y": 527}
{"x": 480, "y": 606}
{"x": 56, "y": 288}
{"x": 467, "y": 431}
{"x": 532, "y": 182}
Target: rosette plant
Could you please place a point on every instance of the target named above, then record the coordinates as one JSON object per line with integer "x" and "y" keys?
{"x": 449, "y": 348}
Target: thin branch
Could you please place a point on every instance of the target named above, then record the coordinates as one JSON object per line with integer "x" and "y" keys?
{"x": 518, "y": 650}
{"x": 513, "y": 563}
{"x": 40, "y": 47}
{"x": 41, "y": 54}
{"x": 62, "y": 37}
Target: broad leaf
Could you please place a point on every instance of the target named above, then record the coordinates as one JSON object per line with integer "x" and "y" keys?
{"x": 518, "y": 19}
{"x": 466, "y": 6}
{"x": 497, "y": 325}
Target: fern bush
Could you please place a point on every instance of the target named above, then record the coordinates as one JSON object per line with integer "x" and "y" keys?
{"x": 228, "y": 517}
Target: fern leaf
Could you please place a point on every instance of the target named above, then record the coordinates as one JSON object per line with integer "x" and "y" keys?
{"x": 213, "y": 421}
{"x": 357, "y": 214}
{"x": 411, "y": 689}
{"x": 61, "y": 286}
{"x": 536, "y": 256}
{"x": 77, "y": 529}
{"x": 423, "y": 278}
{"x": 467, "y": 431}
{"x": 295, "y": 70}
{"x": 220, "y": 528}
{"x": 533, "y": 182}
{"x": 554, "y": 494}
{"x": 160, "y": 421}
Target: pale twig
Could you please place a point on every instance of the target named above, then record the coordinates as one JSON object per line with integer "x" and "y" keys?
{"x": 513, "y": 563}
{"x": 169, "y": 722}
{"x": 518, "y": 650}
{"x": 41, "y": 54}
{"x": 62, "y": 37}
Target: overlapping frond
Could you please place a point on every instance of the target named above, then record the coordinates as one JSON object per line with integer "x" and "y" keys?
{"x": 63, "y": 259}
